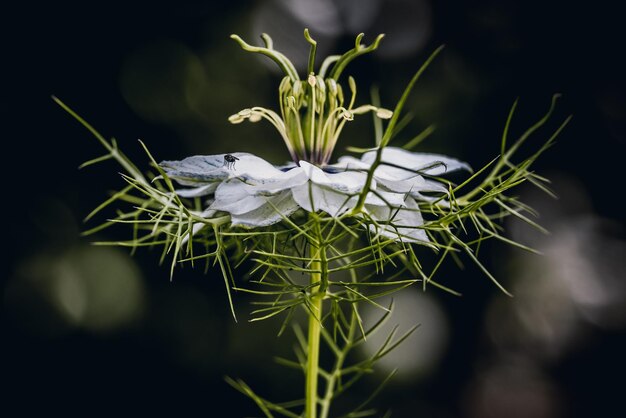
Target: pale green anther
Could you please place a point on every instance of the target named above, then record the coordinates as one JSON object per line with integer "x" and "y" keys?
{"x": 311, "y": 80}
{"x": 297, "y": 90}
{"x": 352, "y": 85}
{"x": 320, "y": 99}
{"x": 320, "y": 93}
{"x": 332, "y": 86}
{"x": 380, "y": 112}
{"x": 384, "y": 113}
{"x": 291, "y": 102}
{"x": 244, "y": 113}
{"x": 235, "y": 119}
{"x": 320, "y": 84}
{"x": 363, "y": 109}
{"x": 340, "y": 94}
{"x": 285, "y": 85}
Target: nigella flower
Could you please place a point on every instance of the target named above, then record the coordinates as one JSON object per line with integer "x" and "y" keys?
{"x": 384, "y": 186}
{"x": 303, "y": 215}
{"x": 255, "y": 193}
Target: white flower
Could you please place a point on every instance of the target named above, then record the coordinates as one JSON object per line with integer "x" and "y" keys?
{"x": 255, "y": 193}
{"x": 313, "y": 113}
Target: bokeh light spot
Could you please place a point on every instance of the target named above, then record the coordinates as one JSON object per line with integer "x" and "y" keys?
{"x": 420, "y": 353}
{"x": 164, "y": 82}
{"x": 94, "y": 288}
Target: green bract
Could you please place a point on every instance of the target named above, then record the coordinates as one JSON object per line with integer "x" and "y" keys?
{"x": 354, "y": 230}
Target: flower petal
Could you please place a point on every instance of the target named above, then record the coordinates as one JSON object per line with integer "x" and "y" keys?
{"x": 231, "y": 196}
{"x": 282, "y": 180}
{"x": 399, "y": 223}
{"x": 348, "y": 162}
{"x": 383, "y": 198}
{"x": 272, "y": 211}
{"x": 251, "y": 167}
{"x": 312, "y": 197}
{"x": 212, "y": 168}
{"x": 345, "y": 181}
{"x": 204, "y": 190}
{"x": 413, "y": 184}
{"x": 197, "y": 169}
{"x": 412, "y": 162}
{"x": 393, "y": 179}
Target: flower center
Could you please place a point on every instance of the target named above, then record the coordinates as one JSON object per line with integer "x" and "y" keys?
{"x": 313, "y": 111}
{"x": 314, "y": 114}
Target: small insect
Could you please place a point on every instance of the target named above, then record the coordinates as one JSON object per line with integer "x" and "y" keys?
{"x": 229, "y": 161}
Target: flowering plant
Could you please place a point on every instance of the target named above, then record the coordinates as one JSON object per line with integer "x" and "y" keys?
{"x": 354, "y": 228}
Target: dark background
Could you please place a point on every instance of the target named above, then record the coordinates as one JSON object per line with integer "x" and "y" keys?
{"x": 169, "y": 74}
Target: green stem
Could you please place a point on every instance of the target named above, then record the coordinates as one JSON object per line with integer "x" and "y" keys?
{"x": 336, "y": 374}
{"x": 312, "y": 366}
{"x": 319, "y": 284}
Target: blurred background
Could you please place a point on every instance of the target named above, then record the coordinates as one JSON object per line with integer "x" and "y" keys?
{"x": 86, "y": 330}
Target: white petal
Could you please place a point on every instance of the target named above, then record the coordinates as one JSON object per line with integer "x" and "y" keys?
{"x": 287, "y": 166}
{"x": 432, "y": 186}
{"x": 413, "y": 184}
{"x": 345, "y": 181}
{"x": 203, "y": 190}
{"x": 211, "y": 168}
{"x": 399, "y": 223}
{"x": 199, "y": 168}
{"x": 231, "y": 196}
{"x": 348, "y": 162}
{"x": 207, "y": 213}
{"x": 271, "y": 212}
{"x": 393, "y": 179}
{"x": 280, "y": 181}
{"x": 312, "y": 197}
{"x": 382, "y": 198}
{"x": 251, "y": 167}
{"x": 432, "y": 164}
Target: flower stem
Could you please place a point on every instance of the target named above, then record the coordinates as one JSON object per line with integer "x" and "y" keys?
{"x": 312, "y": 366}
{"x": 319, "y": 284}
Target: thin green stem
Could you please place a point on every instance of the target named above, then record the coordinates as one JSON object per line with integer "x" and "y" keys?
{"x": 336, "y": 373}
{"x": 319, "y": 280}
{"x": 312, "y": 367}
